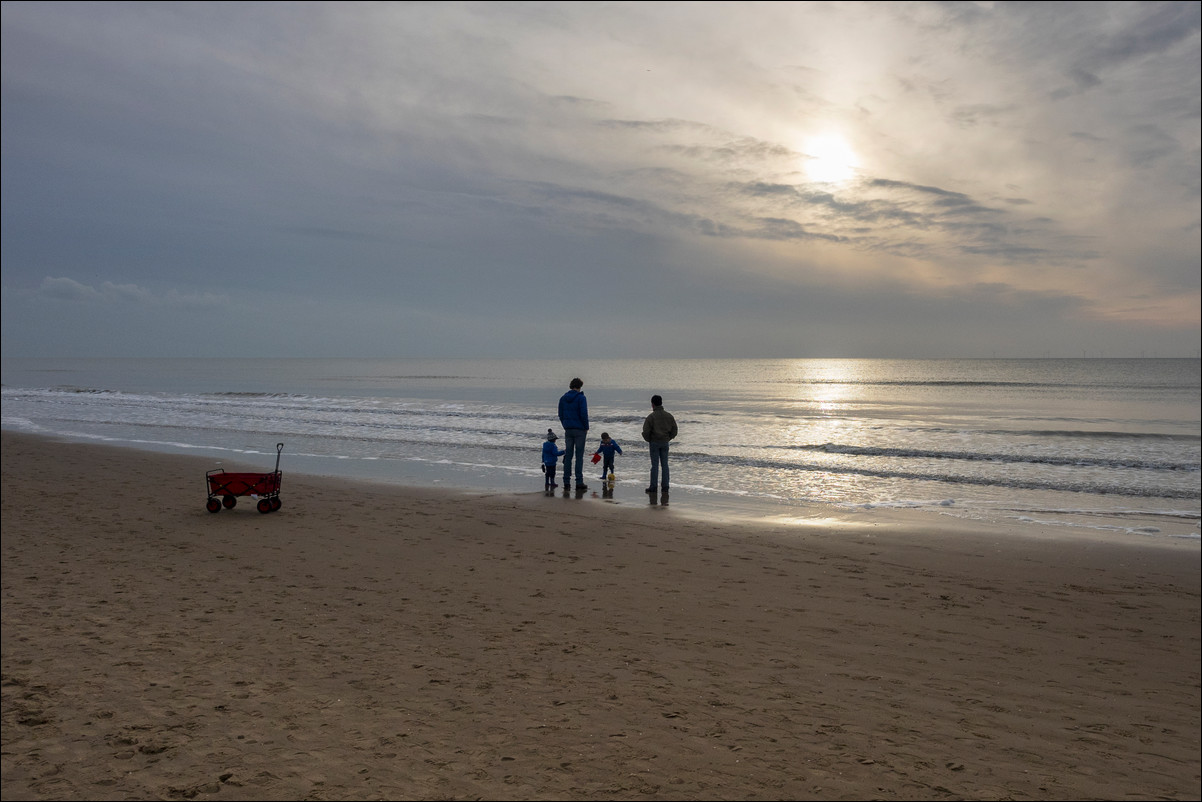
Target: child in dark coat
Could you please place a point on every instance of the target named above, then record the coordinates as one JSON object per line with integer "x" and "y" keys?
{"x": 551, "y": 454}
{"x": 606, "y": 450}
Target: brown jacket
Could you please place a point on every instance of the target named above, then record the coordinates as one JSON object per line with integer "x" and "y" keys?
{"x": 659, "y": 426}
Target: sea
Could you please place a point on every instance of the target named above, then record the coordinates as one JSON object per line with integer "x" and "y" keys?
{"x": 1105, "y": 447}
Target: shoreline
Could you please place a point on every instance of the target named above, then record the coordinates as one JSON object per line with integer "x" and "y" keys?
{"x": 370, "y": 641}
{"x": 686, "y": 502}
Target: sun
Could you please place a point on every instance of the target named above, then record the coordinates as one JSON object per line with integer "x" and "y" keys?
{"x": 829, "y": 159}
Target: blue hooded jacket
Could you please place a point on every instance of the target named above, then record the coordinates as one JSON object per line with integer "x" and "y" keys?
{"x": 607, "y": 450}
{"x": 573, "y": 410}
{"x": 551, "y": 452}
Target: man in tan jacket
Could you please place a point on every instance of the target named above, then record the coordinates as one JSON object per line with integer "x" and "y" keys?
{"x": 659, "y": 428}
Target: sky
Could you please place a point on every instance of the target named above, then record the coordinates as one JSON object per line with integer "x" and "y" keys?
{"x": 594, "y": 179}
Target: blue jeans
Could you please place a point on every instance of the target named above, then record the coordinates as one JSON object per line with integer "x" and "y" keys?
{"x": 573, "y": 444}
{"x": 659, "y": 458}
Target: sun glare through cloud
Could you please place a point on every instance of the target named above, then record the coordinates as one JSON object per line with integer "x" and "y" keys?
{"x": 830, "y": 159}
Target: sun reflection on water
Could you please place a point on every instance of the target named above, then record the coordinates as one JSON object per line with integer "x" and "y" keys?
{"x": 824, "y": 400}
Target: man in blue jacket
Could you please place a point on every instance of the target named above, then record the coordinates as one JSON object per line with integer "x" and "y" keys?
{"x": 573, "y": 416}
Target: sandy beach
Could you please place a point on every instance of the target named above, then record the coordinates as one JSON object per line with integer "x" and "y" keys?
{"x": 375, "y": 642}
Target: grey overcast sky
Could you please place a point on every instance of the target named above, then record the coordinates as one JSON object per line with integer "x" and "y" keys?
{"x": 899, "y": 179}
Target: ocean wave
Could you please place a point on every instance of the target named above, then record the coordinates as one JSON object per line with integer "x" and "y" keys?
{"x": 967, "y": 383}
{"x": 973, "y": 456}
{"x": 251, "y": 396}
{"x": 1091, "y": 434}
{"x": 1065, "y": 484}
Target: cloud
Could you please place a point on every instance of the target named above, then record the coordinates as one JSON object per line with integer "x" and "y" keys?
{"x": 1151, "y": 30}
{"x": 66, "y": 289}
{"x": 226, "y": 158}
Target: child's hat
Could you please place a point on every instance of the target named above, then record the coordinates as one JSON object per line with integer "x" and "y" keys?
{"x": 551, "y": 435}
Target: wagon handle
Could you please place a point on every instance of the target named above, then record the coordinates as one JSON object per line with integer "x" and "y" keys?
{"x": 279, "y": 448}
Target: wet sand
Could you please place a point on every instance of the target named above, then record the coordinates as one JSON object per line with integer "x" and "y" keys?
{"x": 374, "y": 642}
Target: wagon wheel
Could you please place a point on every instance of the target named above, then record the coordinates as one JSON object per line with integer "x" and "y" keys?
{"x": 276, "y": 504}
{"x": 213, "y": 505}
{"x": 228, "y": 502}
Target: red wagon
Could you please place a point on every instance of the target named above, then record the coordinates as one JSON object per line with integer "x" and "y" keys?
{"x": 224, "y": 488}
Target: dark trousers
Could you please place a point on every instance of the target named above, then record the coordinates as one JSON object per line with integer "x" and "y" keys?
{"x": 659, "y": 461}
{"x": 573, "y": 448}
